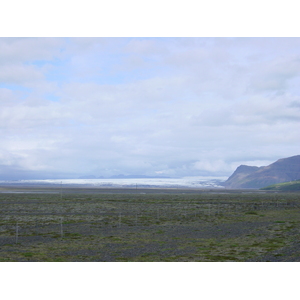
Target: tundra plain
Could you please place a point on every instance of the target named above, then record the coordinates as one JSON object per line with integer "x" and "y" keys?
{"x": 41, "y": 224}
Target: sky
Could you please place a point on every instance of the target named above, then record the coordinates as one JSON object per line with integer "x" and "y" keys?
{"x": 172, "y": 107}
{"x": 71, "y": 107}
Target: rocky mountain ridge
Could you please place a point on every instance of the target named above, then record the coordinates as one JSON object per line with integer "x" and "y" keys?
{"x": 283, "y": 170}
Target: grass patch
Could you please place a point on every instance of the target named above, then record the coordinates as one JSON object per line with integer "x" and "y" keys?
{"x": 177, "y": 235}
{"x": 251, "y": 213}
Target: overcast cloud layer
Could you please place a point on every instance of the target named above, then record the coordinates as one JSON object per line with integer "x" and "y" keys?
{"x": 154, "y": 106}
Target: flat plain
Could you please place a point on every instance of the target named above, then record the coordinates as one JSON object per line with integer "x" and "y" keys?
{"x": 41, "y": 224}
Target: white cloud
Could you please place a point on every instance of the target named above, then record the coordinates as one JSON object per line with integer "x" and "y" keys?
{"x": 20, "y": 50}
{"x": 175, "y": 106}
{"x": 211, "y": 166}
{"x": 19, "y": 74}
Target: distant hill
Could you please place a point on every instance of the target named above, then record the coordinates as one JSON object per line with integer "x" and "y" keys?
{"x": 121, "y": 176}
{"x": 87, "y": 177}
{"x": 291, "y": 186}
{"x": 283, "y": 170}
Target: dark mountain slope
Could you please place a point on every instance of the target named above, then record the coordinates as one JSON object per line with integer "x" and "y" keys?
{"x": 283, "y": 170}
{"x": 239, "y": 175}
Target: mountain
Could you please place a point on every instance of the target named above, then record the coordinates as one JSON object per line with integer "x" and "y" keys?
{"x": 240, "y": 173}
{"x": 283, "y": 170}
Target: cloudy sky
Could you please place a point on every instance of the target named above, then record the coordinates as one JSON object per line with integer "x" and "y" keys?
{"x": 154, "y": 106}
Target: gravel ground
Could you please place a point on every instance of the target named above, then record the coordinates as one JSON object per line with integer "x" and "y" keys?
{"x": 150, "y": 227}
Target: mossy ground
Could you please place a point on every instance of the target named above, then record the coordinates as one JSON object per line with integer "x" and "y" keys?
{"x": 150, "y": 227}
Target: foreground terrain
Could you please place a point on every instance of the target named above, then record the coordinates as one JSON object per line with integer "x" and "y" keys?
{"x": 48, "y": 224}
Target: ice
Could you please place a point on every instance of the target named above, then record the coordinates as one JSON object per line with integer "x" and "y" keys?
{"x": 184, "y": 182}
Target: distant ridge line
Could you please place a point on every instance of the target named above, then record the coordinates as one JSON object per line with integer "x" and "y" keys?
{"x": 283, "y": 170}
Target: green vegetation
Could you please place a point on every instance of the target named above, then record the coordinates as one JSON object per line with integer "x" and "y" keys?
{"x": 291, "y": 186}
{"x": 161, "y": 226}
